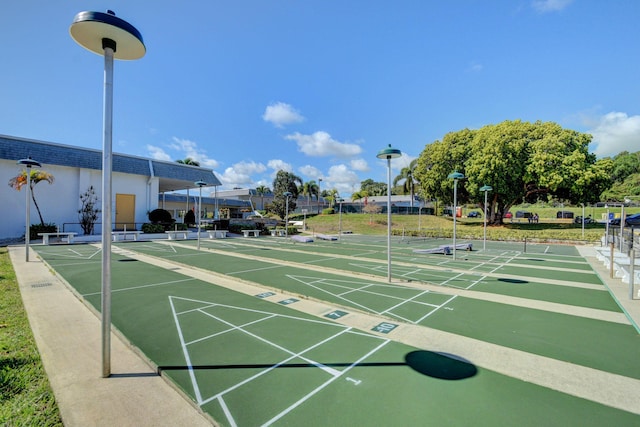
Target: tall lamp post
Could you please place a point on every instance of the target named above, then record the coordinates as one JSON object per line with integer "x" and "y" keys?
{"x": 340, "y": 200}
{"x": 200, "y": 184}
{"x": 320, "y": 194}
{"x": 388, "y": 154}
{"x": 28, "y": 163}
{"x": 286, "y": 194}
{"x": 109, "y": 36}
{"x": 486, "y": 189}
{"x": 455, "y": 176}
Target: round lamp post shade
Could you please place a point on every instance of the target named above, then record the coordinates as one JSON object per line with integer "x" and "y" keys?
{"x": 91, "y": 30}
{"x": 389, "y": 153}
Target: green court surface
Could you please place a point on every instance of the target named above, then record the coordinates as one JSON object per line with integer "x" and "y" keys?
{"x": 250, "y": 357}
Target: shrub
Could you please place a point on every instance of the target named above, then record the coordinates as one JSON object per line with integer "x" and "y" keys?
{"x": 152, "y": 228}
{"x": 34, "y": 229}
{"x": 160, "y": 215}
{"x": 89, "y": 211}
{"x": 190, "y": 217}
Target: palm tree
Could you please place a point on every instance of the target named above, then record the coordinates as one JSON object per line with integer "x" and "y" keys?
{"x": 407, "y": 174}
{"x": 332, "y": 195}
{"x": 189, "y": 161}
{"x": 309, "y": 189}
{"x": 17, "y": 182}
{"x": 359, "y": 195}
{"x": 261, "y": 191}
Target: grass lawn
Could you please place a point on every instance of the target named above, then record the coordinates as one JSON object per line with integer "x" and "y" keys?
{"x": 26, "y": 398}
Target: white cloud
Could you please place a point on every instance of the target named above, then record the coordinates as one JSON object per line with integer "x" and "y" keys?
{"x": 616, "y": 132}
{"x": 342, "y": 178}
{"x": 475, "y": 67}
{"x": 544, "y": 6}
{"x": 158, "y": 153}
{"x": 278, "y": 165}
{"x": 187, "y": 148}
{"x": 281, "y": 114}
{"x": 311, "y": 172}
{"x": 321, "y": 144}
{"x": 360, "y": 165}
{"x": 239, "y": 175}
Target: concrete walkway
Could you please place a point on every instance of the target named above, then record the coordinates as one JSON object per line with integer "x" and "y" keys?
{"x": 69, "y": 338}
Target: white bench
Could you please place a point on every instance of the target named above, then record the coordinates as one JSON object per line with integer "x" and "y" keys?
{"x": 173, "y": 234}
{"x": 116, "y": 234}
{"x": 46, "y": 236}
{"x": 217, "y": 234}
{"x": 247, "y": 233}
{"x": 278, "y": 232}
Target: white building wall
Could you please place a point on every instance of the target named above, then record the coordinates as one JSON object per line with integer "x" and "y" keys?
{"x": 59, "y": 202}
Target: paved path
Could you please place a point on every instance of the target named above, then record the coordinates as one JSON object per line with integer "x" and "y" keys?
{"x": 68, "y": 336}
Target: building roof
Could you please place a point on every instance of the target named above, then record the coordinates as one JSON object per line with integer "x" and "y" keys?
{"x": 171, "y": 175}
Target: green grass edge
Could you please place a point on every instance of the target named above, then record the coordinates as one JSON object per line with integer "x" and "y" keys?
{"x": 26, "y": 397}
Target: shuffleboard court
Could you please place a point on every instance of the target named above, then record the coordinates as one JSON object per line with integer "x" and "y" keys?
{"x": 261, "y": 359}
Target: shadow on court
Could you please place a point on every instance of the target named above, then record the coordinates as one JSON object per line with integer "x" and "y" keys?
{"x": 432, "y": 364}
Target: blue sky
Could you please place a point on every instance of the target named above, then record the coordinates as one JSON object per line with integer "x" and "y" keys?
{"x": 318, "y": 87}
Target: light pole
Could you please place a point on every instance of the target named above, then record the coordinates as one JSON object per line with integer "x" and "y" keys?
{"x": 388, "y": 154}
{"x": 455, "y": 176}
{"x": 606, "y": 240}
{"x": 28, "y": 163}
{"x": 286, "y": 194}
{"x": 486, "y": 189}
{"x": 200, "y": 184}
{"x": 320, "y": 194}
{"x": 340, "y": 200}
{"x": 109, "y": 36}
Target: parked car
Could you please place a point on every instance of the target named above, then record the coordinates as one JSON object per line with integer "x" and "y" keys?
{"x": 630, "y": 221}
{"x": 587, "y": 220}
{"x": 474, "y": 214}
{"x": 508, "y": 215}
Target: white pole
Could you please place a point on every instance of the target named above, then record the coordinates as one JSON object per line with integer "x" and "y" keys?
{"x": 106, "y": 208}
{"x": 199, "y": 215}
{"x": 389, "y": 219}
{"x": 484, "y": 243}
{"x": 455, "y": 214}
{"x": 27, "y": 233}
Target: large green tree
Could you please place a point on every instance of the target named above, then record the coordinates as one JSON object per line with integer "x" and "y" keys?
{"x": 284, "y": 182}
{"x": 522, "y": 161}
{"x": 373, "y": 188}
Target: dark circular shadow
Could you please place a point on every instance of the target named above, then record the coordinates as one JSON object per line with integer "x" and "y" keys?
{"x": 440, "y": 365}
{"x": 517, "y": 281}
{"x": 127, "y": 260}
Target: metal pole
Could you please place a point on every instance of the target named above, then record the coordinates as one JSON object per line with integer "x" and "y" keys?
{"x": 109, "y": 47}
{"x": 484, "y": 243}
{"x": 27, "y": 232}
{"x": 632, "y": 258}
{"x": 389, "y": 218}
{"x": 455, "y": 214}
{"x": 621, "y": 226}
{"x": 199, "y": 215}
{"x": 340, "y": 222}
{"x": 611, "y": 261}
{"x": 286, "y": 216}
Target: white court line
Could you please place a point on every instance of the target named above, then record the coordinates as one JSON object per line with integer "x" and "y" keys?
{"x": 441, "y": 305}
{"x": 311, "y": 394}
{"x": 271, "y": 267}
{"x": 266, "y": 371}
{"x": 151, "y": 285}
{"x": 185, "y": 352}
{"x": 235, "y": 328}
